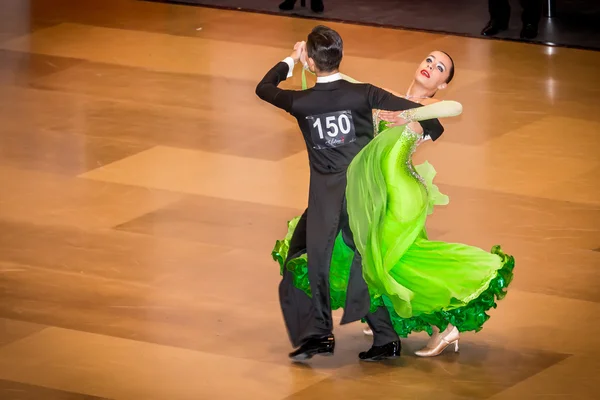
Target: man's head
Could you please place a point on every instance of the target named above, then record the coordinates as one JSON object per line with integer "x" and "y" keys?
{"x": 324, "y": 49}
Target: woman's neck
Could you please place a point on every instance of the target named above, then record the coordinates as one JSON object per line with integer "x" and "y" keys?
{"x": 417, "y": 91}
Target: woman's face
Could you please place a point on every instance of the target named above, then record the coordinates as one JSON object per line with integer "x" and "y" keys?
{"x": 434, "y": 70}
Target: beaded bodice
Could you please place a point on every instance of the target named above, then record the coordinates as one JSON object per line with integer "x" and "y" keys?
{"x": 408, "y": 143}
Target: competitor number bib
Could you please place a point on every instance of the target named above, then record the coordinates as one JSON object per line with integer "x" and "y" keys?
{"x": 331, "y": 130}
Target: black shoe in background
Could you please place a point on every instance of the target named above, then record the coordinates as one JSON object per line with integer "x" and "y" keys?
{"x": 287, "y": 5}
{"x": 317, "y": 6}
{"x": 494, "y": 27}
{"x": 529, "y": 31}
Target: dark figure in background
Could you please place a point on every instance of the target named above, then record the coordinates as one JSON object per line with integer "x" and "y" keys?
{"x": 315, "y": 5}
{"x": 500, "y": 15}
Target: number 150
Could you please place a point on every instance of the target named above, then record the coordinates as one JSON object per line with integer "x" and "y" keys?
{"x": 333, "y": 125}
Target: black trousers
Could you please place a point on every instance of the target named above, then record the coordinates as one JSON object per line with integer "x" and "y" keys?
{"x": 500, "y": 11}
{"x": 311, "y": 317}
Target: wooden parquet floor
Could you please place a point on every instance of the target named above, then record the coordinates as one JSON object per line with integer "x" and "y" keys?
{"x": 143, "y": 185}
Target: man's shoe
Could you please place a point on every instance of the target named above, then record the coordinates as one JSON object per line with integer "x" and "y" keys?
{"x": 377, "y": 353}
{"x": 323, "y": 346}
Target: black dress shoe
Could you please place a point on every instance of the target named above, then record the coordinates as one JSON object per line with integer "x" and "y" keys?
{"x": 378, "y": 353}
{"x": 322, "y": 346}
{"x": 317, "y": 6}
{"x": 287, "y": 5}
{"x": 494, "y": 27}
{"x": 529, "y": 31}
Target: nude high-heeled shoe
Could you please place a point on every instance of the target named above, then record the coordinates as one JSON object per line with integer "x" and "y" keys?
{"x": 448, "y": 337}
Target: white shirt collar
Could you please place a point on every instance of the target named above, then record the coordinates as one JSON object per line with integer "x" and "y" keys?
{"x": 329, "y": 78}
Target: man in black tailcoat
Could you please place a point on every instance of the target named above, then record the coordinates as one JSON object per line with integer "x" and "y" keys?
{"x": 335, "y": 117}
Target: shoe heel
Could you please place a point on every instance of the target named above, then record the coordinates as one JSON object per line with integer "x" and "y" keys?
{"x": 456, "y": 346}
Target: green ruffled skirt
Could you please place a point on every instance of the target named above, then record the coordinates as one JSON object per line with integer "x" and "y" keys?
{"x": 422, "y": 283}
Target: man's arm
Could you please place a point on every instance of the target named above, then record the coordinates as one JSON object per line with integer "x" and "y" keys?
{"x": 267, "y": 88}
{"x": 268, "y": 91}
{"x": 382, "y": 100}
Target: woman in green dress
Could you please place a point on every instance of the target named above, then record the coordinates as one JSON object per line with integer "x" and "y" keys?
{"x": 437, "y": 287}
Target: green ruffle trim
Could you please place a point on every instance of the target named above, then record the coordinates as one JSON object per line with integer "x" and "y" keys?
{"x": 466, "y": 318}
{"x": 470, "y": 317}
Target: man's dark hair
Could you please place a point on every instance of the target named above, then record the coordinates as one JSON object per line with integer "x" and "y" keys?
{"x": 325, "y": 47}
{"x": 450, "y": 67}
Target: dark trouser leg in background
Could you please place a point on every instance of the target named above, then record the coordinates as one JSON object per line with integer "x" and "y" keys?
{"x": 499, "y": 11}
{"x": 499, "y": 16}
{"x": 532, "y": 12}
{"x": 315, "y": 5}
